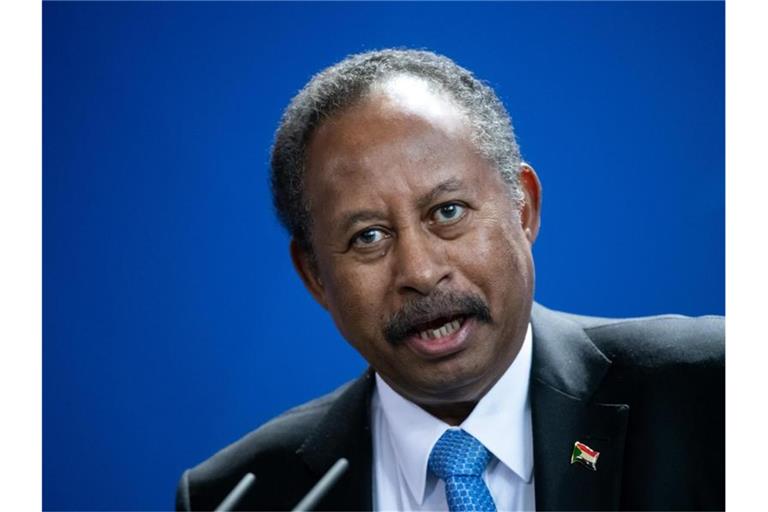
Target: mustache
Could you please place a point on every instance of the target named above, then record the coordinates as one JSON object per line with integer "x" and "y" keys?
{"x": 444, "y": 304}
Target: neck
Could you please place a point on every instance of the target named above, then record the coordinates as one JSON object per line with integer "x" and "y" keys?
{"x": 453, "y": 414}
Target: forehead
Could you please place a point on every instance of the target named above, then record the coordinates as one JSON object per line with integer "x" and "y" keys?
{"x": 418, "y": 98}
{"x": 403, "y": 121}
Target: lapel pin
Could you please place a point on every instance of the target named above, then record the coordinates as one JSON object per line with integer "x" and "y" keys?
{"x": 585, "y": 455}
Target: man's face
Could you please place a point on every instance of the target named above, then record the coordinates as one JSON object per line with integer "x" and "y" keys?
{"x": 422, "y": 258}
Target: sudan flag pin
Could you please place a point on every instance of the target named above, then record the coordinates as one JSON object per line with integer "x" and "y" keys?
{"x": 584, "y": 454}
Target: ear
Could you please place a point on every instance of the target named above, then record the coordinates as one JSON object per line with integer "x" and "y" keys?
{"x": 307, "y": 269}
{"x": 530, "y": 213}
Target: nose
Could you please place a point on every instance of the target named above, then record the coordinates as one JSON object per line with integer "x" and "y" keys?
{"x": 421, "y": 262}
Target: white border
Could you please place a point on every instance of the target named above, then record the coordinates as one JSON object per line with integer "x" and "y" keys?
{"x": 20, "y": 254}
{"x": 746, "y": 255}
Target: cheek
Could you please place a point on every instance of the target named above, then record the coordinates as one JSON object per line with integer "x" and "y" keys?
{"x": 354, "y": 296}
{"x": 499, "y": 256}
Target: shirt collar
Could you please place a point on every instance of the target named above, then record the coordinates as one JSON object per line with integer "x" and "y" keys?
{"x": 501, "y": 420}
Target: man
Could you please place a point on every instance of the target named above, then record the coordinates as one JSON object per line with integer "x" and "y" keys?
{"x": 412, "y": 219}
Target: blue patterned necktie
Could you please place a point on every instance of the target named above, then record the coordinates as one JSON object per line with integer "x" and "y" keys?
{"x": 459, "y": 460}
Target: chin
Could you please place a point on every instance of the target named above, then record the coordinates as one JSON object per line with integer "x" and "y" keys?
{"x": 450, "y": 387}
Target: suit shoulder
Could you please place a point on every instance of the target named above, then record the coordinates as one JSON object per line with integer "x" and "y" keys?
{"x": 270, "y": 443}
{"x": 659, "y": 341}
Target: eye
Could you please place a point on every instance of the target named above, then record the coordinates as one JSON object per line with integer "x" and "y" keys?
{"x": 368, "y": 237}
{"x": 448, "y": 213}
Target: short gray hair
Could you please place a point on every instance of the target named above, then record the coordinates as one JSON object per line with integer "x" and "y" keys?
{"x": 340, "y": 86}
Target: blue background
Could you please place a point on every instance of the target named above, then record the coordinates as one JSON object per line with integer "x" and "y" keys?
{"x": 173, "y": 321}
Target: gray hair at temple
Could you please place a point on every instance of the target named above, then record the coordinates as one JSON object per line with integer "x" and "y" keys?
{"x": 343, "y": 84}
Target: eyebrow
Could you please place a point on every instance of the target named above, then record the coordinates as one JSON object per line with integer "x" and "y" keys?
{"x": 359, "y": 216}
{"x": 449, "y": 185}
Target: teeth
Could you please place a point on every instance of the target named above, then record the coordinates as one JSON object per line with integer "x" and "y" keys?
{"x": 445, "y": 330}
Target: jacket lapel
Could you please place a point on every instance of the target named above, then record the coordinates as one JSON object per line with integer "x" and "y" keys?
{"x": 567, "y": 369}
{"x": 339, "y": 435}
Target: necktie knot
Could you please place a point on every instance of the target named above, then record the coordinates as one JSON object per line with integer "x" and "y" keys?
{"x": 459, "y": 460}
{"x": 457, "y": 453}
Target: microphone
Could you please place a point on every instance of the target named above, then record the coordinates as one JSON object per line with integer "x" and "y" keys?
{"x": 236, "y": 494}
{"x": 306, "y": 504}
{"x": 322, "y": 487}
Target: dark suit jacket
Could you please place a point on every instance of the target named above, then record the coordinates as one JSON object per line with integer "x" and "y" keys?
{"x": 648, "y": 394}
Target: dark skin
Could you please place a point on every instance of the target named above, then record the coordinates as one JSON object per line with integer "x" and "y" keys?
{"x": 403, "y": 206}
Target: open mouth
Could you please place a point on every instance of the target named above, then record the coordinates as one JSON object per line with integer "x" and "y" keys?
{"x": 441, "y": 337}
{"x": 439, "y": 328}
{"x": 436, "y": 318}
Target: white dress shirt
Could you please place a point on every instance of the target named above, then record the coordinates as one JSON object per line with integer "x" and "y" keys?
{"x": 404, "y": 434}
